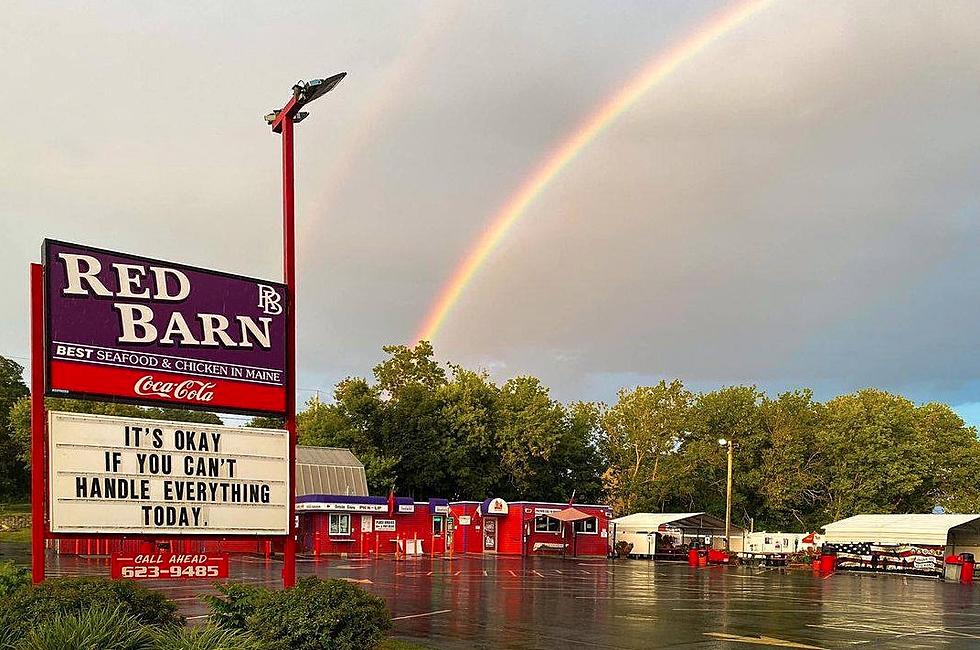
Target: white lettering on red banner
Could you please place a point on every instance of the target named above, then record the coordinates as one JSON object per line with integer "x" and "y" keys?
{"x": 177, "y": 566}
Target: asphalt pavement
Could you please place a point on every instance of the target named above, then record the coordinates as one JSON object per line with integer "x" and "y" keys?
{"x": 504, "y": 602}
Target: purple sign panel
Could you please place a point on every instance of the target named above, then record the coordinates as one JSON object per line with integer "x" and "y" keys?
{"x": 128, "y": 328}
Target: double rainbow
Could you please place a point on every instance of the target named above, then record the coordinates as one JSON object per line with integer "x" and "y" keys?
{"x": 658, "y": 69}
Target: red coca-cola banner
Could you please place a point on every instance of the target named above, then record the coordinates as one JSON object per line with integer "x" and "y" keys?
{"x": 128, "y": 328}
{"x": 167, "y": 565}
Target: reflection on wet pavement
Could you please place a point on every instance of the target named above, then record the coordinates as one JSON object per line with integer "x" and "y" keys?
{"x": 503, "y": 602}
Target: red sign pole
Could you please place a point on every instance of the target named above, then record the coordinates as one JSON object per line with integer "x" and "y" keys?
{"x": 38, "y": 461}
{"x": 289, "y": 276}
{"x": 282, "y": 122}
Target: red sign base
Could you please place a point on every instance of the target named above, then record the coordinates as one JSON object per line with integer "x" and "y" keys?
{"x": 167, "y": 565}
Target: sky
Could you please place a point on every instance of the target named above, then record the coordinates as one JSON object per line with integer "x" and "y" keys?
{"x": 796, "y": 206}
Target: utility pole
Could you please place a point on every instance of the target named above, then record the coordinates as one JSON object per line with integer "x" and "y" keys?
{"x": 729, "y": 444}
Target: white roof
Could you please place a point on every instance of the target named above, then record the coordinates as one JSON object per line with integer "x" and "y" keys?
{"x": 651, "y": 521}
{"x": 896, "y": 529}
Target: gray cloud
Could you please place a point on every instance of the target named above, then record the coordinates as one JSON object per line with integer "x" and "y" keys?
{"x": 797, "y": 205}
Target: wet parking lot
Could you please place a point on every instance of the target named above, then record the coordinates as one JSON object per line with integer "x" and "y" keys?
{"x": 507, "y": 602}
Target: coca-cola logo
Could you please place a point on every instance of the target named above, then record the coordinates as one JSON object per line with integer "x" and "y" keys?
{"x": 191, "y": 390}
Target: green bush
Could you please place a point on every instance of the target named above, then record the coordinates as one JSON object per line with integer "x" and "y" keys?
{"x": 330, "y": 614}
{"x": 206, "y": 637}
{"x": 321, "y": 614}
{"x": 235, "y": 602}
{"x": 95, "y": 628}
{"x": 12, "y": 578}
{"x": 30, "y": 606}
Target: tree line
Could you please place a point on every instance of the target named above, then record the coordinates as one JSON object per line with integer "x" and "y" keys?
{"x": 429, "y": 429}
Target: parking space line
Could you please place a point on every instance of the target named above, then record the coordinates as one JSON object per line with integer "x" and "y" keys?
{"x": 438, "y": 611}
{"x": 760, "y": 640}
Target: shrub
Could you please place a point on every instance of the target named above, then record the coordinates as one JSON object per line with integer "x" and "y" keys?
{"x": 29, "y": 606}
{"x": 95, "y": 628}
{"x": 320, "y": 614}
{"x": 206, "y": 637}
{"x": 235, "y": 602}
{"x": 12, "y": 578}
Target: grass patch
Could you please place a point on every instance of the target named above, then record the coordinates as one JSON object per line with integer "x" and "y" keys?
{"x": 400, "y": 644}
{"x": 22, "y": 508}
{"x": 17, "y": 535}
{"x": 23, "y": 535}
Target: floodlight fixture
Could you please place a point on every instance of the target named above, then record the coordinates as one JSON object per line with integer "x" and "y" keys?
{"x": 317, "y": 88}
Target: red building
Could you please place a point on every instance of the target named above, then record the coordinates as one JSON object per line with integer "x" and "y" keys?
{"x": 530, "y": 528}
{"x": 364, "y": 525}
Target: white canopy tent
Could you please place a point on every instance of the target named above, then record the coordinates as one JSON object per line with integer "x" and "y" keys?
{"x": 959, "y": 531}
{"x": 641, "y": 529}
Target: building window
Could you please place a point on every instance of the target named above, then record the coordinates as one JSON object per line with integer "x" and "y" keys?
{"x": 339, "y": 524}
{"x": 587, "y": 526}
{"x": 544, "y": 524}
{"x": 437, "y": 523}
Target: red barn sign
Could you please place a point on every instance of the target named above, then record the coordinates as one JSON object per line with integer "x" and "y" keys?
{"x": 128, "y": 328}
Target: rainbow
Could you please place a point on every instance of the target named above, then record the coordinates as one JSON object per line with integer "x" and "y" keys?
{"x": 658, "y": 69}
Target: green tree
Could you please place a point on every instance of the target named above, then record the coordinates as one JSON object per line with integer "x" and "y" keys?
{"x": 14, "y": 480}
{"x": 407, "y": 366}
{"x": 793, "y": 463}
{"x": 640, "y": 436}
{"x": 955, "y": 455}
{"x": 468, "y": 407}
{"x": 529, "y": 433}
{"x": 732, "y": 413}
{"x": 347, "y": 423}
{"x": 881, "y": 461}
{"x": 578, "y": 463}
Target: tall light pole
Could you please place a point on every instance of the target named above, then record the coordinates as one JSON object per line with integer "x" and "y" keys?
{"x": 282, "y": 121}
{"x": 728, "y": 493}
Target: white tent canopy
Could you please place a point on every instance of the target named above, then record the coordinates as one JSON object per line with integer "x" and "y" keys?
{"x": 688, "y": 521}
{"x": 652, "y": 521}
{"x": 927, "y": 530}
{"x": 641, "y": 528}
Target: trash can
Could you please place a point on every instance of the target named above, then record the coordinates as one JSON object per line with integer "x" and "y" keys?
{"x": 692, "y": 557}
{"x": 952, "y": 568}
{"x": 828, "y": 562}
{"x": 966, "y": 572}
